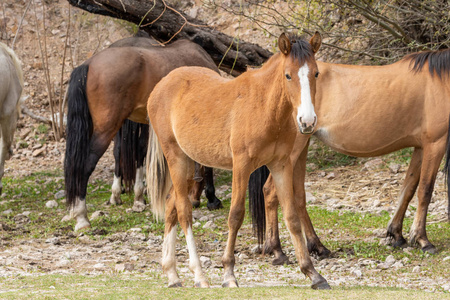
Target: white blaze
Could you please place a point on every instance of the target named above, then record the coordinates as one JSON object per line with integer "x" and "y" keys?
{"x": 305, "y": 112}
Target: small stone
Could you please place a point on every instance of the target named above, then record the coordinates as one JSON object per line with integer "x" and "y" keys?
{"x": 54, "y": 240}
{"x": 257, "y": 249}
{"x": 99, "y": 266}
{"x": 60, "y": 194}
{"x": 357, "y": 273}
{"x": 446, "y": 258}
{"x": 196, "y": 214}
{"x": 51, "y": 204}
{"x": 380, "y": 232}
{"x": 398, "y": 264}
{"x": 394, "y": 168}
{"x": 383, "y": 266}
{"x": 138, "y": 206}
{"x": 120, "y": 268}
{"x": 390, "y": 260}
{"x": 373, "y": 163}
{"x": 416, "y": 269}
{"x": 310, "y": 198}
{"x": 134, "y": 258}
{"x": 8, "y": 212}
{"x": 197, "y": 224}
{"x": 204, "y": 219}
{"x": 135, "y": 229}
{"x": 330, "y": 176}
{"x": 205, "y": 261}
{"x": 38, "y": 152}
{"x": 97, "y": 214}
{"x": 209, "y": 224}
{"x": 26, "y": 213}
{"x": 446, "y": 287}
{"x": 243, "y": 256}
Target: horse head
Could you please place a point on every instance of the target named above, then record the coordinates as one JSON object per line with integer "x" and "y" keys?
{"x": 300, "y": 74}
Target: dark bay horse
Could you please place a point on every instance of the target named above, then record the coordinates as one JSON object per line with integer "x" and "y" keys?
{"x": 238, "y": 124}
{"x": 367, "y": 111}
{"x": 108, "y": 88}
{"x": 11, "y": 86}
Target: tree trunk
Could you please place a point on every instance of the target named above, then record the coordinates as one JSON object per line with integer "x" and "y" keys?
{"x": 164, "y": 23}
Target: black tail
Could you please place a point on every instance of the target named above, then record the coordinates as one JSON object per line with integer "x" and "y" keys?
{"x": 256, "y": 201}
{"x": 447, "y": 171}
{"x": 133, "y": 150}
{"x": 79, "y": 131}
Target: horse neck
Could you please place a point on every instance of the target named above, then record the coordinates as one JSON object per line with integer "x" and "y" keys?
{"x": 271, "y": 88}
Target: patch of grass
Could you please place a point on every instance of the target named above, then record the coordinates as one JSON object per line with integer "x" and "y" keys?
{"x": 325, "y": 158}
{"x": 42, "y": 128}
{"x": 148, "y": 286}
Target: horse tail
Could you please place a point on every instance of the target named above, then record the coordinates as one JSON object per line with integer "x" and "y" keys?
{"x": 79, "y": 130}
{"x": 256, "y": 201}
{"x": 447, "y": 171}
{"x": 128, "y": 152}
{"x": 158, "y": 177}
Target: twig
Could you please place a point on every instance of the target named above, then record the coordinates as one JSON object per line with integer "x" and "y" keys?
{"x": 20, "y": 24}
{"x": 28, "y": 112}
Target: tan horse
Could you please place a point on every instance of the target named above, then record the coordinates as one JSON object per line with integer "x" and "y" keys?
{"x": 238, "y": 124}
{"x": 367, "y": 111}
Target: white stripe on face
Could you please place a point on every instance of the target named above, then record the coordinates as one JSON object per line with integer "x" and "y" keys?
{"x": 305, "y": 112}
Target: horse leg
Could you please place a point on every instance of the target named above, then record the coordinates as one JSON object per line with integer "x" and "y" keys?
{"x": 168, "y": 261}
{"x": 7, "y": 133}
{"x": 395, "y": 225}
{"x": 98, "y": 146}
{"x": 116, "y": 188}
{"x": 272, "y": 244}
{"x": 282, "y": 177}
{"x": 235, "y": 219}
{"x": 432, "y": 156}
{"x": 210, "y": 192}
{"x": 139, "y": 199}
{"x": 313, "y": 242}
{"x": 198, "y": 183}
{"x": 181, "y": 169}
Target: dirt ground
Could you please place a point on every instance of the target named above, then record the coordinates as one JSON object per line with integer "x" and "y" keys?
{"x": 366, "y": 186}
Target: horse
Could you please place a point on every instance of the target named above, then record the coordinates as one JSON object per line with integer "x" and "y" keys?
{"x": 238, "y": 124}
{"x": 11, "y": 86}
{"x": 107, "y": 89}
{"x": 367, "y": 111}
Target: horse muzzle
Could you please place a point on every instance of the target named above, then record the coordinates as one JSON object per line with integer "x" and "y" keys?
{"x": 306, "y": 128}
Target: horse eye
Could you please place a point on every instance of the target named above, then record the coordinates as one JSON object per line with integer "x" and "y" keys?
{"x": 317, "y": 74}
{"x": 288, "y": 77}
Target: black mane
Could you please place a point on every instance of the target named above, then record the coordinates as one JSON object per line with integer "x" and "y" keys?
{"x": 438, "y": 61}
{"x": 300, "y": 49}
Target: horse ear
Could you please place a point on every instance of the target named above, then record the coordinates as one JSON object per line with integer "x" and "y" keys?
{"x": 316, "y": 41}
{"x": 284, "y": 44}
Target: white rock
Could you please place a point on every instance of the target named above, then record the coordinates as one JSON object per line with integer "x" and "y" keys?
{"x": 446, "y": 258}
{"x": 134, "y": 258}
{"x": 26, "y": 213}
{"x": 209, "y": 224}
{"x": 135, "y": 229}
{"x": 196, "y": 214}
{"x": 380, "y": 232}
{"x": 446, "y": 287}
{"x": 416, "y": 269}
{"x": 60, "y": 194}
{"x": 310, "y": 198}
{"x": 397, "y": 265}
{"x": 99, "y": 266}
{"x": 66, "y": 218}
{"x": 205, "y": 261}
{"x": 54, "y": 240}
{"x": 197, "y": 224}
{"x": 204, "y": 219}
{"x": 51, "y": 204}
{"x": 97, "y": 214}
{"x": 357, "y": 273}
{"x": 390, "y": 260}
{"x": 243, "y": 256}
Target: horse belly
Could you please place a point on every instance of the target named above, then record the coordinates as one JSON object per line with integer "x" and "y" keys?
{"x": 207, "y": 152}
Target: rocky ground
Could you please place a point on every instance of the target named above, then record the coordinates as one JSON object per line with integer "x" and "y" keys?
{"x": 369, "y": 185}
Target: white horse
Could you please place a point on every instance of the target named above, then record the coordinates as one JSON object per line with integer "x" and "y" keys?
{"x": 11, "y": 85}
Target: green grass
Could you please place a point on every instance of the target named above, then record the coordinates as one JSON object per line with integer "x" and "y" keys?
{"x": 148, "y": 286}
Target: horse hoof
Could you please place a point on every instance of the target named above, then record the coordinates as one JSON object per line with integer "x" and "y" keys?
{"x": 82, "y": 225}
{"x": 217, "y": 204}
{"x": 400, "y": 243}
{"x": 196, "y": 203}
{"x": 322, "y": 285}
{"x": 430, "y": 249}
{"x": 175, "y": 285}
{"x": 202, "y": 284}
{"x": 322, "y": 253}
{"x": 230, "y": 284}
{"x": 281, "y": 260}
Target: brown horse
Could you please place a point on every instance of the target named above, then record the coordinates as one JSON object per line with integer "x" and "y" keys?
{"x": 108, "y": 88}
{"x": 238, "y": 124}
{"x": 367, "y": 111}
